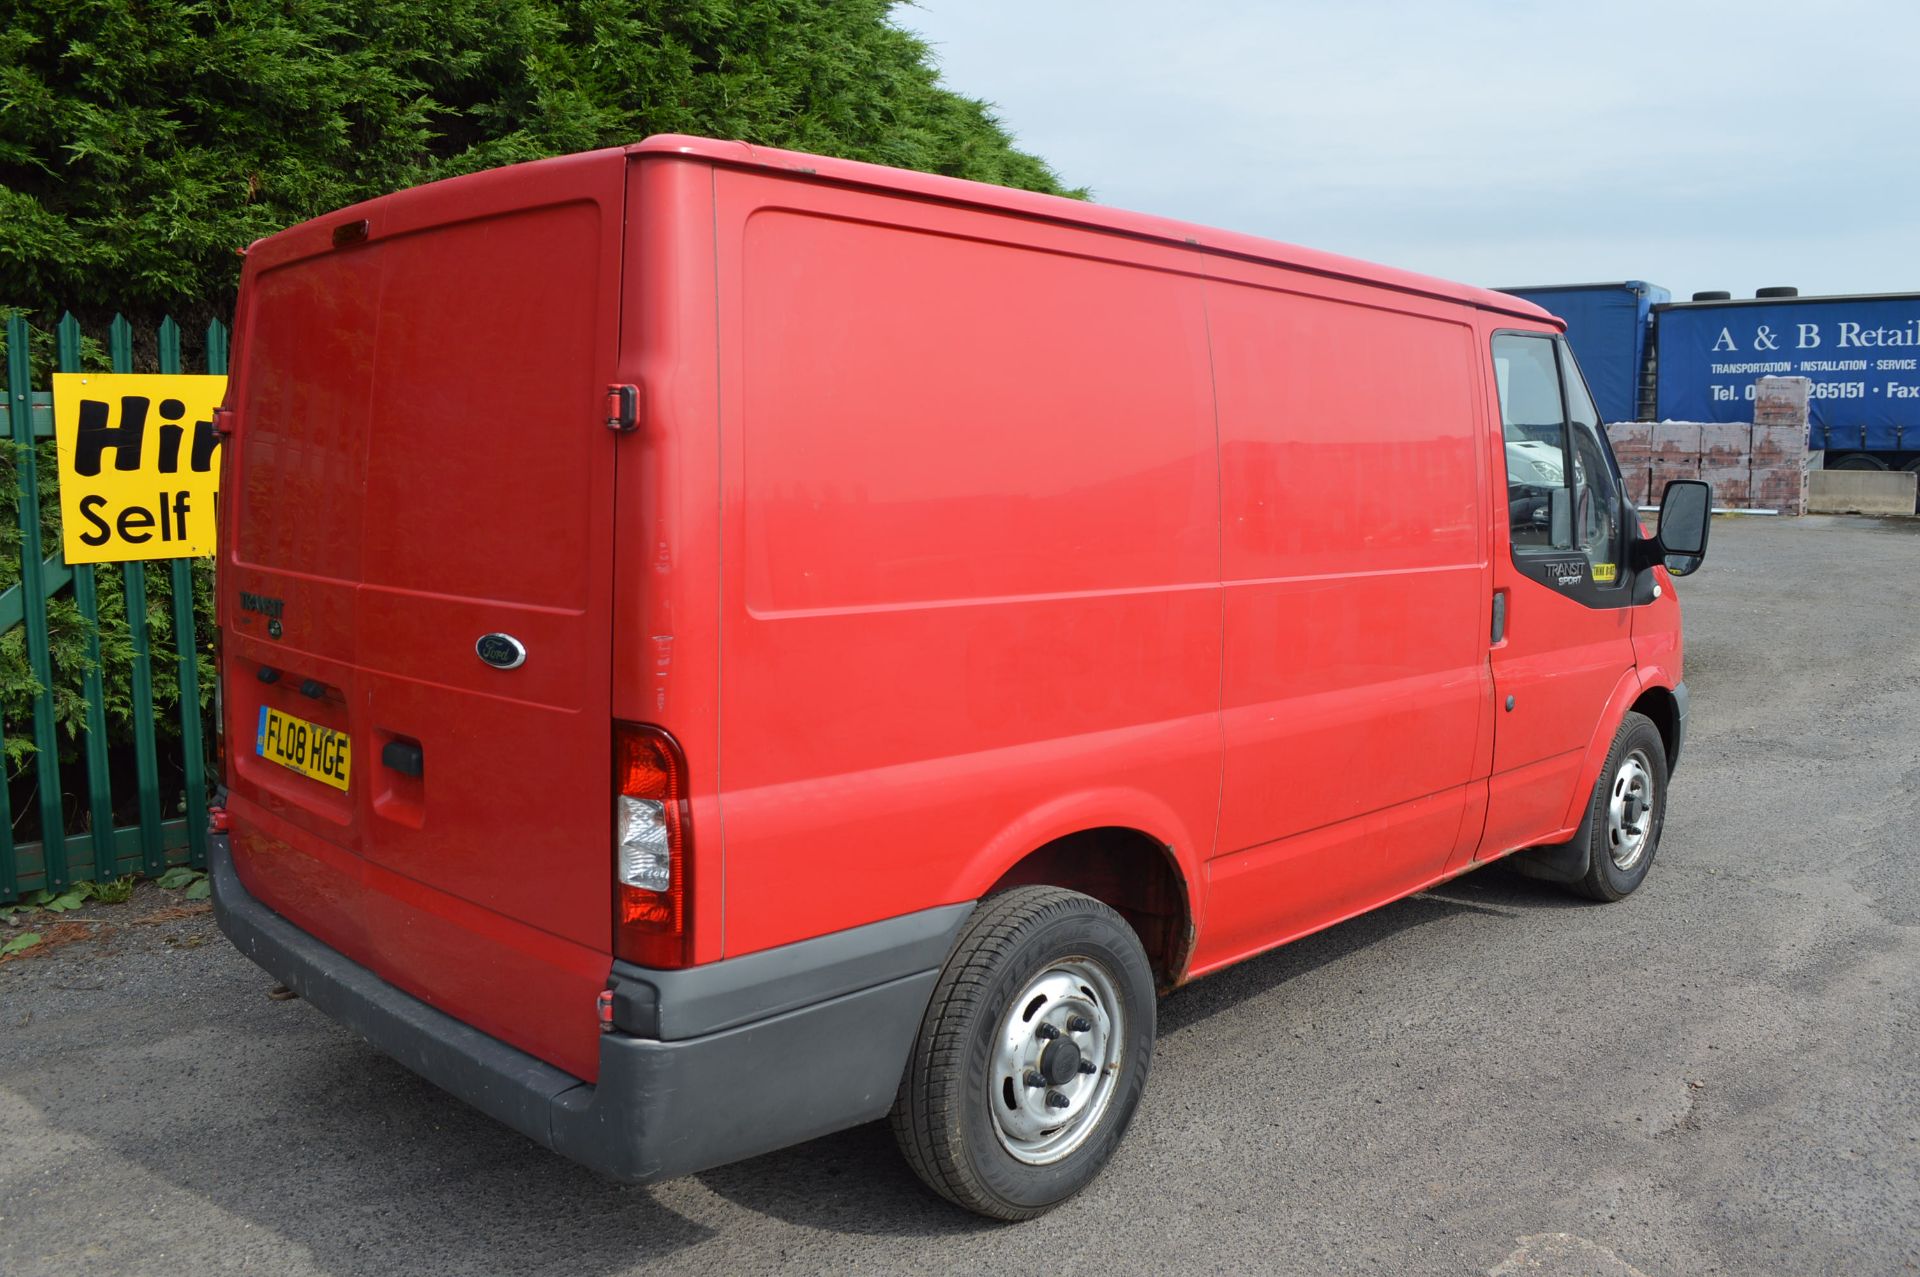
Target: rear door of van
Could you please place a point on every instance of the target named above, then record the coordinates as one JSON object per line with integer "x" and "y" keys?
{"x": 416, "y": 551}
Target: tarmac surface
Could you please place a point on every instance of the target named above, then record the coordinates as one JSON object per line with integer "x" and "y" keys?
{"x": 1719, "y": 1075}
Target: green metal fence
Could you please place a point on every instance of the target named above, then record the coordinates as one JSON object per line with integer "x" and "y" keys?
{"x": 169, "y": 827}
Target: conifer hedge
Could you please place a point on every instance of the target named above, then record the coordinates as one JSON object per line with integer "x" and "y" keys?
{"x": 143, "y": 141}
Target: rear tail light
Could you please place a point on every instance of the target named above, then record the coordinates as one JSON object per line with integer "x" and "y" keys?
{"x": 652, "y": 840}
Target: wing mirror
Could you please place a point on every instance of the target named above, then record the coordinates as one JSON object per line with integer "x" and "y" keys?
{"x": 1686, "y": 512}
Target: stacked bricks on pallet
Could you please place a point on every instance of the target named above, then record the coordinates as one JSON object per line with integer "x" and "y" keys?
{"x": 1676, "y": 455}
{"x": 1780, "y": 458}
{"x": 1725, "y": 462}
{"x": 1761, "y": 465}
{"x": 1633, "y": 449}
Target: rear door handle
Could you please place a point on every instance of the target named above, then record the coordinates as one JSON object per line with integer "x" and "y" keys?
{"x": 404, "y": 757}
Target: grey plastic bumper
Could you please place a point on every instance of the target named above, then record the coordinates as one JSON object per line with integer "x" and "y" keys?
{"x": 807, "y": 1039}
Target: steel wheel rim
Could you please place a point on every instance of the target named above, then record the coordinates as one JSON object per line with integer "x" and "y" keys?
{"x": 1072, "y": 1001}
{"x": 1630, "y": 811}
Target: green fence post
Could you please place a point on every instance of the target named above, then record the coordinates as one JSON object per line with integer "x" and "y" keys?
{"x": 186, "y": 646}
{"x": 153, "y": 855}
{"x": 53, "y": 833}
{"x": 93, "y": 686}
{"x": 9, "y": 871}
{"x": 217, "y": 346}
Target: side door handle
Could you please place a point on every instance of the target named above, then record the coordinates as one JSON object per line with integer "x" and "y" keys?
{"x": 1499, "y": 633}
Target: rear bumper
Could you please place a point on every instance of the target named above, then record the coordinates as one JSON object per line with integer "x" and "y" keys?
{"x": 807, "y": 1039}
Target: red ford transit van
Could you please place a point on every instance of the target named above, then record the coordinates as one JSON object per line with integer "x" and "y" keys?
{"x": 722, "y": 645}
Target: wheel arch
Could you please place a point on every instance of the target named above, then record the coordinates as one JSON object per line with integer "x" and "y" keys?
{"x": 1659, "y": 703}
{"x": 1635, "y": 688}
{"x": 1138, "y": 861}
{"x": 1130, "y": 873}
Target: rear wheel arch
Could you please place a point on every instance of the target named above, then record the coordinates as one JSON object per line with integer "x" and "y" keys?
{"x": 1131, "y": 872}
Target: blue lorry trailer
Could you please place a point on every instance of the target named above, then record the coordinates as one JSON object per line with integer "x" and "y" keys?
{"x": 1608, "y": 327}
{"x": 1862, "y": 355}
{"x": 1700, "y": 360}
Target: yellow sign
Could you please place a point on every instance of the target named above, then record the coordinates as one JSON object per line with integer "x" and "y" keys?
{"x": 139, "y": 464}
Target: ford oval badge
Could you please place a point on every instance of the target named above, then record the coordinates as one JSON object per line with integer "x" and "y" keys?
{"x": 502, "y": 651}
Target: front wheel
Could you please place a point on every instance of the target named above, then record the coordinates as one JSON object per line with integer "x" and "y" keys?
{"x": 1629, "y": 809}
{"x": 1032, "y": 1055}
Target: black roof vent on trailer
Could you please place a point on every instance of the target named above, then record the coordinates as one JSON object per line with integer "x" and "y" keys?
{"x": 1713, "y": 297}
{"x": 1776, "y": 292}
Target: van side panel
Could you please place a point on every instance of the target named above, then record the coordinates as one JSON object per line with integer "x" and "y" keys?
{"x": 1356, "y": 593}
{"x": 970, "y": 562}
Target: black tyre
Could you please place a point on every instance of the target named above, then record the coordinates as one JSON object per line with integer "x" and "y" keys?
{"x": 1857, "y": 461}
{"x": 1629, "y": 809}
{"x": 1032, "y": 1056}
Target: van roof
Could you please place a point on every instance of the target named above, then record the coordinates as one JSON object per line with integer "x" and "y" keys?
{"x": 1084, "y": 213}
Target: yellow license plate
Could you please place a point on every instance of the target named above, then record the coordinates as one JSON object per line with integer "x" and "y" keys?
{"x": 307, "y": 748}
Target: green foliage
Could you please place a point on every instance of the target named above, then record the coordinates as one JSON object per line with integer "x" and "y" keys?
{"x": 183, "y": 878}
{"x": 143, "y": 141}
{"x": 72, "y": 898}
{"x": 116, "y": 891}
{"x": 20, "y": 944}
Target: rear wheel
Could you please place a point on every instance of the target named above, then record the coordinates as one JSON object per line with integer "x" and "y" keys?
{"x": 1629, "y": 808}
{"x": 1032, "y": 1055}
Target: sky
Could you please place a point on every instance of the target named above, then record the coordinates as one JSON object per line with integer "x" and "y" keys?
{"x": 1691, "y": 144}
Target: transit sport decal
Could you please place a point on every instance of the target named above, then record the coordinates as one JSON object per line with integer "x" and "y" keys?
{"x": 1567, "y": 572}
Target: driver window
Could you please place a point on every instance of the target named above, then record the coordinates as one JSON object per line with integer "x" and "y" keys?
{"x": 1596, "y": 504}
{"x": 1533, "y": 420}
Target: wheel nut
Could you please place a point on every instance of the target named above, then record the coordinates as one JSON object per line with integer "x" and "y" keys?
{"x": 1034, "y": 1079}
{"x": 1046, "y": 1033}
{"x": 1088, "y": 1066}
{"x": 1055, "y": 1100}
{"x": 1079, "y": 1024}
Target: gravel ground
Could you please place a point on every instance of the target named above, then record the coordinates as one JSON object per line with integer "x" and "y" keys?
{"x": 1717, "y": 1075}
